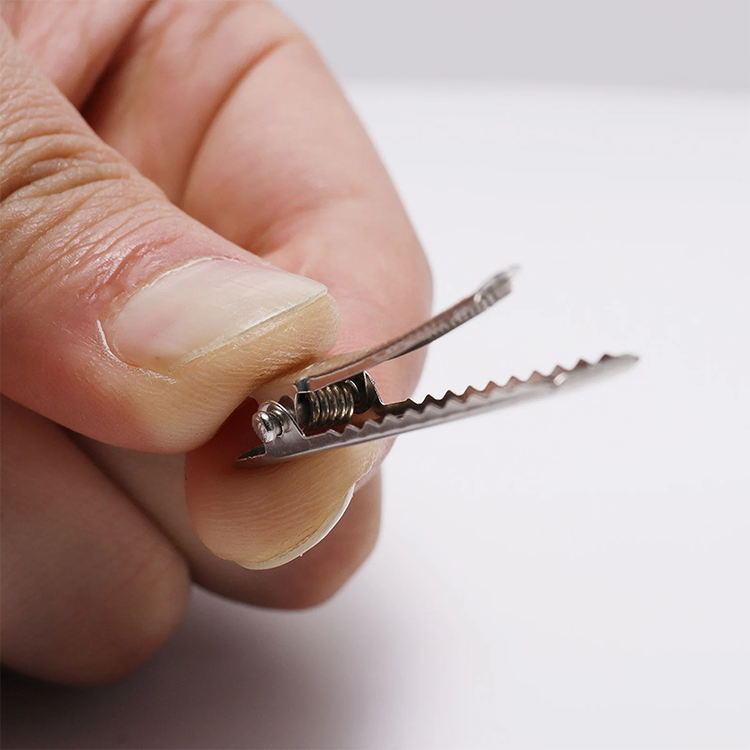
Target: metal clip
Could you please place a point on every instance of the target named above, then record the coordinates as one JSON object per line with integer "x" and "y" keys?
{"x": 335, "y": 402}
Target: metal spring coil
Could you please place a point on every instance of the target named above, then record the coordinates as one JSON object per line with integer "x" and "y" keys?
{"x": 334, "y": 404}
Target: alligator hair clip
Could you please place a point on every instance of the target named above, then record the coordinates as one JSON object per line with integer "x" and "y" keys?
{"x": 335, "y": 403}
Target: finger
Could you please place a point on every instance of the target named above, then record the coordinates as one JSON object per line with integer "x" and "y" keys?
{"x": 90, "y": 587}
{"x": 279, "y": 512}
{"x": 239, "y": 120}
{"x": 317, "y": 575}
{"x": 157, "y": 482}
{"x": 276, "y": 136}
{"x": 122, "y": 318}
{"x": 72, "y": 42}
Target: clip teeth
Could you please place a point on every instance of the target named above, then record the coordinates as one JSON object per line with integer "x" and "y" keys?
{"x": 409, "y": 415}
{"x": 405, "y": 416}
{"x": 336, "y": 402}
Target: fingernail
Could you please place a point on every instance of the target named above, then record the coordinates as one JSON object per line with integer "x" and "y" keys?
{"x": 200, "y": 306}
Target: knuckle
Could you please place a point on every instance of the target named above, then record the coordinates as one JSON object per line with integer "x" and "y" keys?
{"x": 51, "y": 178}
{"x": 46, "y": 146}
{"x": 68, "y": 207}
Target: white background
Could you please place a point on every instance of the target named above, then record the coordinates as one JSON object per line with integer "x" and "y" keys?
{"x": 682, "y": 44}
{"x": 574, "y": 573}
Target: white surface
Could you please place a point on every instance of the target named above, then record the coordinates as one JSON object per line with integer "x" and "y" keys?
{"x": 700, "y": 44}
{"x": 574, "y": 573}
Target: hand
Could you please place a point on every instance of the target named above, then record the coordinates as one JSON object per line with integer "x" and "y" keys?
{"x": 155, "y": 159}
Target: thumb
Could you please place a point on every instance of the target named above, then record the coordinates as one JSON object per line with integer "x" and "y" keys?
{"x": 122, "y": 318}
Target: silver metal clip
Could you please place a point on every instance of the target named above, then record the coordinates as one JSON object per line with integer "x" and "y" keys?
{"x": 334, "y": 403}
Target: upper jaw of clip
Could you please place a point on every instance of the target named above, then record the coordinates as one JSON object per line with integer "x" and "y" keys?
{"x": 335, "y": 403}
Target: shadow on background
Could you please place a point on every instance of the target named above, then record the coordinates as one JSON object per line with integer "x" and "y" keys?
{"x": 230, "y": 678}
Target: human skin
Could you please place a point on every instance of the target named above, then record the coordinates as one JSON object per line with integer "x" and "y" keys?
{"x": 154, "y": 157}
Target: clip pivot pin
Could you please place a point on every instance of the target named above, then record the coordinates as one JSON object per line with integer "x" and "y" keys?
{"x": 335, "y": 402}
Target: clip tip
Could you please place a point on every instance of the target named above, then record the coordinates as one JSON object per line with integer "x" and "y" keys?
{"x": 302, "y": 384}
{"x": 496, "y": 287}
{"x": 513, "y": 270}
{"x": 504, "y": 276}
{"x": 246, "y": 458}
{"x": 626, "y": 359}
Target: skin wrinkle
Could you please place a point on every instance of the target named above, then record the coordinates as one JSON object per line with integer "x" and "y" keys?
{"x": 114, "y": 280}
{"x": 26, "y": 156}
{"x": 49, "y": 126}
{"x": 104, "y": 284}
{"x": 33, "y": 182}
{"x": 26, "y": 285}
{"x": 107, "y": 283}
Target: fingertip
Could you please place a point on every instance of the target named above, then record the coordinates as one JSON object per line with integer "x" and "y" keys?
{"x": 264, "y": 517}
{"x": 319, "y": 574}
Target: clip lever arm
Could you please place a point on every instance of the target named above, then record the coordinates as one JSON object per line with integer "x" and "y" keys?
{"x": 326, "y": 372}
